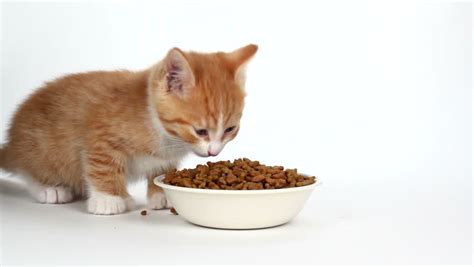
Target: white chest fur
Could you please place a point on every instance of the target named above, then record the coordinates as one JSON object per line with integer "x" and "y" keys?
{"x": 140, "y": 166}
{"x": 169, "y": 155}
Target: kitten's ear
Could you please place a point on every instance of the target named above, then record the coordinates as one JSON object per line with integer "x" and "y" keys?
{"x": 179, "y": 75}
{"x": 238, "y": 60}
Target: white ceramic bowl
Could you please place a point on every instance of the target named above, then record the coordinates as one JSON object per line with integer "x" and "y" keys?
{"x": 237, "y": 209}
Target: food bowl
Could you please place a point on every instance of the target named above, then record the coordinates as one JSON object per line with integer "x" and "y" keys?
{"x": 237, "y": 209}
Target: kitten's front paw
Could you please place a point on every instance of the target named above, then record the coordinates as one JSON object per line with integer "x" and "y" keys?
{"x": 158, "y": 201}
{"x": 106, "y": 204}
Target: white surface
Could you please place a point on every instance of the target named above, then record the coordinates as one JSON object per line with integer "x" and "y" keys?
{"x": 249, "y": 209}
{"x": 374, "y": 97}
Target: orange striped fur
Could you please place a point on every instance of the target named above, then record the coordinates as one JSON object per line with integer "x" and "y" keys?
{"x": 95, "y": 131}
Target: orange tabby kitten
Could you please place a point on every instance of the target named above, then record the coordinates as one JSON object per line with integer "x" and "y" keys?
{"x": 92, "y": 132}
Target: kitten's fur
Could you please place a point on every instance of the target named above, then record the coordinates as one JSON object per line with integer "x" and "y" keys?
{"x": 88, "y": 133}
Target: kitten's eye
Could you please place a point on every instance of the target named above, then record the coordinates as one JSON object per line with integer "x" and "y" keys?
{"x": 230, "y": 129}
{"x": 202, "y": 132}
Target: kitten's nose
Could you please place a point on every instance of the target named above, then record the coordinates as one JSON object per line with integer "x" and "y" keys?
{"x": 214, "y": 148}
{"x": 212, "y": 154}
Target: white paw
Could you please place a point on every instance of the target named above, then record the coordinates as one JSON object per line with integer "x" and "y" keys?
{"x": 105, "y": 204}
{"x": 158, "y": 201}
{"x": 53, "y": 195}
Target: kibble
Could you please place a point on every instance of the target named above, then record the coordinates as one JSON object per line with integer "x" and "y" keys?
{"x": 241, "y": 174}
{"x": 172, "y": 210}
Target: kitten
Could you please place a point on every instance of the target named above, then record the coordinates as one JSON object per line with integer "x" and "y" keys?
{"x": 90, "y": 133}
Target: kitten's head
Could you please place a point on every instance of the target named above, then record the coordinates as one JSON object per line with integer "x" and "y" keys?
{"x": 199, "y": 98}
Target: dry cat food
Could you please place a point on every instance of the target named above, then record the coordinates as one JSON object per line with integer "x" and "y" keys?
{"x": 242, "y": 174}
{"x": 172, "y": 210}
{"x": 143, "y": 212}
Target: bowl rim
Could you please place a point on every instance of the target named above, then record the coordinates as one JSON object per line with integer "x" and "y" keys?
{"x": 158, "y": 181}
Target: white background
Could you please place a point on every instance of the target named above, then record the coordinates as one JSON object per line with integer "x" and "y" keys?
{"x": 373, "y": 98}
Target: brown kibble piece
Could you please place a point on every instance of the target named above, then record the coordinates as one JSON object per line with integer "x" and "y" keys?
{"x": 213, "y": 185}
{"x": 187, "y": 182}
{"x": 258, "y": 178}
{"x": 172, "y": 210}
{"x": 279, "y": 175}
{"x": 143, "y": 212}
{"x": 231, "y": 179}
{"x": 239, "y": 186}
{"x": 254, "y": 186}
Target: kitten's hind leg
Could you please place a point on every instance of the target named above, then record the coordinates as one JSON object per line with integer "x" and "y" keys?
{"x": 52, "y": 194}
